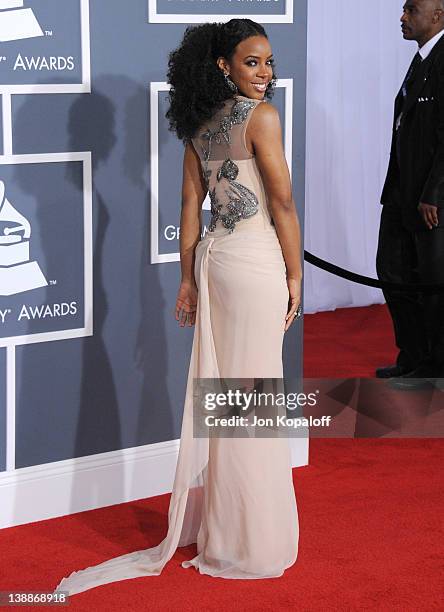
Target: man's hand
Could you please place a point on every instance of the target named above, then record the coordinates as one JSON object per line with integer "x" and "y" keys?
{"x": 429, "y": 214}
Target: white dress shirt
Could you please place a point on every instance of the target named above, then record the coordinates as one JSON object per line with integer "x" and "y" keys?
{"x": 425, "y": 49}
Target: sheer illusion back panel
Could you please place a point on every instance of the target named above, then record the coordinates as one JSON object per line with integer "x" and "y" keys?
{"x": 234, "y": 136}
{"x": 232, "y": 178}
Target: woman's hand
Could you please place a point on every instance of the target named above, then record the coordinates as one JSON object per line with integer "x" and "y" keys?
{"x": 294, "y": 290}
{"x": 186, "y": 303}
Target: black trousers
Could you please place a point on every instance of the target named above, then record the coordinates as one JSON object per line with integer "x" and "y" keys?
{"x": 406, "y": 256}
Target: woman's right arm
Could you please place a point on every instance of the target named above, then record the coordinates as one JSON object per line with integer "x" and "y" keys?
{"x": 265, "y": 133}
{"x": 193, "y": 195}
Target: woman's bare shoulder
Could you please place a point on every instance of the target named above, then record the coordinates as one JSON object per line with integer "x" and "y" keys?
{"x": 265, "y": 117}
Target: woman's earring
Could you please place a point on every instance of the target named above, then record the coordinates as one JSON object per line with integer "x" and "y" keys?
{"x": 230, "y": 83}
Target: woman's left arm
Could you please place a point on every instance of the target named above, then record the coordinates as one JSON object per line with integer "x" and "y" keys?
{"x": 266, "y": 136}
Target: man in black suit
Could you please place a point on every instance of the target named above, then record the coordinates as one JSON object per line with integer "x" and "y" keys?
{"x": 411, "y": 235}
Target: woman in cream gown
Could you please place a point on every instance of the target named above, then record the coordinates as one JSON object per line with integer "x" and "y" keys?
{"x": 234, "y": 497}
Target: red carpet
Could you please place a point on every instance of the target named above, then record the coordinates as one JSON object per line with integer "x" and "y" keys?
{"x": 370, "y": 514}
{"x": 348, "y": 342}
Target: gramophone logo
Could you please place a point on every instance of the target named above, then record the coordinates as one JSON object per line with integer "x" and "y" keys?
{"x": 17, "y": 272}
{"x": 17, "y": 22}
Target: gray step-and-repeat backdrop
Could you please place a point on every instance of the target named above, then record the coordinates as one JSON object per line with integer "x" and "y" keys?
{"x": 93, "y": 364}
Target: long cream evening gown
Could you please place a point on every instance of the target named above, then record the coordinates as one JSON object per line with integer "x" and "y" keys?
{"x": 234, "y": 497}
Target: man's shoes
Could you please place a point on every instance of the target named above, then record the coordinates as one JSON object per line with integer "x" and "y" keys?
{"x": 420, "y": 379}
{"x": 391, "y": 371}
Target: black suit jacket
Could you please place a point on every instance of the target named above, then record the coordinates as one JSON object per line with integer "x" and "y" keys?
{"x": 419, "y": 176}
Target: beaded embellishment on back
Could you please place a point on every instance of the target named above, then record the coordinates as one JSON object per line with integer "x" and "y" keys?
{"x": 243, "y": 202}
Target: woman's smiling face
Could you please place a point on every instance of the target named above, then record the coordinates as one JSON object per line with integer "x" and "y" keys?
{"x": 251, "y": 67}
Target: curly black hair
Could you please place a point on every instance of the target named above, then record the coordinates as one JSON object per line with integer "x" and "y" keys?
{"x": 197, "y": 85}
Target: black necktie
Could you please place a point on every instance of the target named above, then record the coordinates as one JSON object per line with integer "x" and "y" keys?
{"x": 411, "y": 73}
{"x": 408, "y": 82}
